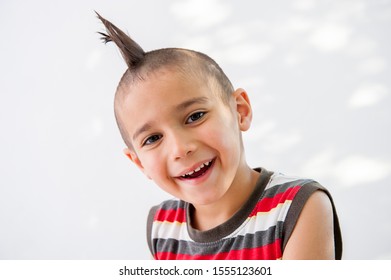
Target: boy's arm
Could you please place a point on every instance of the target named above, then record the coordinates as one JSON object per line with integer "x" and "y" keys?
{"x": 313, "y": 235}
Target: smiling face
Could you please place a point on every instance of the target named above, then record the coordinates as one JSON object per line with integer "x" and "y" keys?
{"x": 184, "y": 137}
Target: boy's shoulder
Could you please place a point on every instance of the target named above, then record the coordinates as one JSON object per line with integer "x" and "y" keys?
{"x": 169, "y": 206}
{"x": 170, "y": 210}
{"x": 277, "y": 182}
{"x": 278, "y": 178}
{"x": 294, "y": 189}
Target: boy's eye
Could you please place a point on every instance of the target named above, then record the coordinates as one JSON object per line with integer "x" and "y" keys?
{"x": 195, "y": 117}
{"x": 152, "y": 139}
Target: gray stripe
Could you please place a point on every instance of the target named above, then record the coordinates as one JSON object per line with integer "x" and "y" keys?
{"x": 172, "y": 204}
{"x": 150, "y": 219}
{"x": 280, "y": 188}
{"x": 259, "y": 239}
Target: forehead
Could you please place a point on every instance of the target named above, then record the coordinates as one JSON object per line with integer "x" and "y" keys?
{"x": 160, "y": 94}
{"x": 167, "y": 87}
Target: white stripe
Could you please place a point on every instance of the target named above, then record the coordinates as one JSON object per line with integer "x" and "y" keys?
{"x": 167, "y": 230}
{"x": 279, "y": 179}
{"x": 263, "y": 220}
{"x": 260, "y": 222}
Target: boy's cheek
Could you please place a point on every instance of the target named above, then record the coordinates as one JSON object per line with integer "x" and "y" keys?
{"x": 147, "y": 166}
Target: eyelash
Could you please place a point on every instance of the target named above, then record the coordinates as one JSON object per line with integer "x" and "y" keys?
{"x": 153, "y": 138}
{"x": 195, "y": 114}
{"x": 157, "y": 137}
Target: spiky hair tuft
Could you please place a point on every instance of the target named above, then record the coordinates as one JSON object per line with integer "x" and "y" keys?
{"x": 132, "y": 53}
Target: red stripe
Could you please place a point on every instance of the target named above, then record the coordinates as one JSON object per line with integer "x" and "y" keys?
{"x": 265, "y": 205}
{"x": 268, "y": 203}
{"x": 171, "y": 215}
{"x": 268, "y": 252}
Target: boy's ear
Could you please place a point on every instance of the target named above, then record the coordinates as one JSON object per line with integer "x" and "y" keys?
{"x": 135, "y": 159}
{"x": 243, "y": 109}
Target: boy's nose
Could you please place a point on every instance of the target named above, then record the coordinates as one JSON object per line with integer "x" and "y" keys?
{"x": 181, "y": 145}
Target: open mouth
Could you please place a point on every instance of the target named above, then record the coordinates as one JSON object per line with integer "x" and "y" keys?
{"x": 199, "y": 171}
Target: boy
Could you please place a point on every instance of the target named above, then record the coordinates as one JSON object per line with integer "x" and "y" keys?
{"x": 181, "y": 121}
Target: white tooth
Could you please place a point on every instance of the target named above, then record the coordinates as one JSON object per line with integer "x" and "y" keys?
{"x": 199, "y": 168}
{"x": 207, "y": 163}
{"x": 191, "y": 172}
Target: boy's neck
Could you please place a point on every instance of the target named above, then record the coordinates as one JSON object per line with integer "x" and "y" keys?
{"x": 206, "y": 217}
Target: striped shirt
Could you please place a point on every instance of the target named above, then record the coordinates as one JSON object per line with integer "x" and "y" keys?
{"x": 259, "y": 230}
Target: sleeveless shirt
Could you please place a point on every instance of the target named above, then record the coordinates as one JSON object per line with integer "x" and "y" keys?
{"x": 259, "y": 230}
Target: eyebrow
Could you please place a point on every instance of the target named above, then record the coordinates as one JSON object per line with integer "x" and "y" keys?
{"x": 142, "y": 129}
{"x": 180, "y": 107}
{"x": 188, "y": 103}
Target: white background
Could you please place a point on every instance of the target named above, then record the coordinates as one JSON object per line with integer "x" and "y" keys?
{"x": 317, "y": 72}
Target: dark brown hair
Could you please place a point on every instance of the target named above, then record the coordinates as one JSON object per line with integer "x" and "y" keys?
{"x": 140, "y": 64}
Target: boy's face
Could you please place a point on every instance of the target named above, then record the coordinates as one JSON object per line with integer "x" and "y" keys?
{"x": 185, "y": 138}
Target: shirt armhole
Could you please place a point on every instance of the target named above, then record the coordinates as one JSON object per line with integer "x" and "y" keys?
{"x": 296, "y": 208}
{"x": 150, "y": 219}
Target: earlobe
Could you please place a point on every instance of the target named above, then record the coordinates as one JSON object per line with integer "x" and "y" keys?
{"x": 127, "y": 153}
{"x": 243, "y": 108}
{"x": 135, "y": 159}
